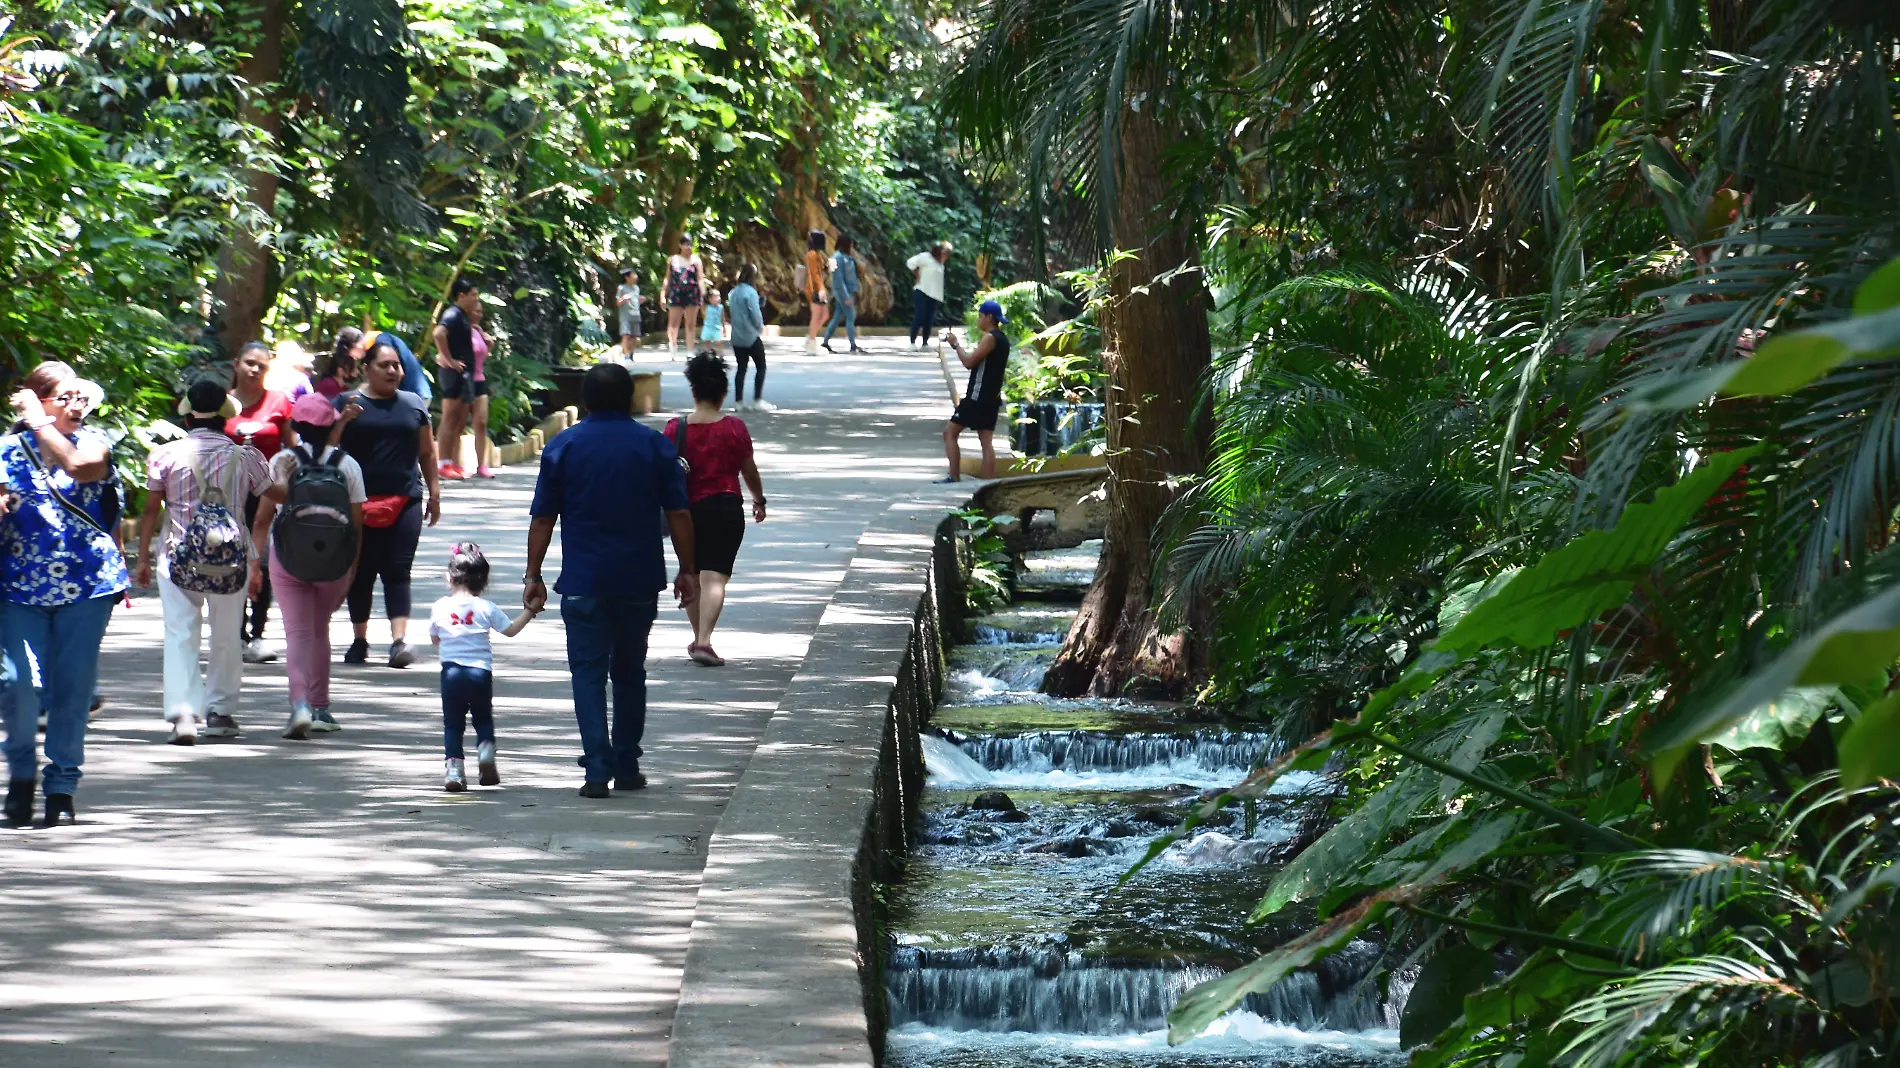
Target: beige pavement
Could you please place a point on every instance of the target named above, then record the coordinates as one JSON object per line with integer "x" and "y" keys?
{"x": 265, "y": 902}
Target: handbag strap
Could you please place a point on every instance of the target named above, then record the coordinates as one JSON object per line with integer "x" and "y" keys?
{"x": 33, "y": 456}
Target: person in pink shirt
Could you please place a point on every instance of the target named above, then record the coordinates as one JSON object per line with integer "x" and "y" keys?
{"x": 478, "y": 408}
{"x": 180, "y": 475}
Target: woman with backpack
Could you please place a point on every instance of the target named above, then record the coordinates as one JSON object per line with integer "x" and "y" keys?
{"x": 63, "y": 575}
{"x": 390, "y": 436}
{"x": 201, "y": 482}
{"x": 315, "y": 535}
{"x": 716, "y": 450}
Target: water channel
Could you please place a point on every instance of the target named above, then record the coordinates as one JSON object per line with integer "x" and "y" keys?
{"x": 1009, "y": 944}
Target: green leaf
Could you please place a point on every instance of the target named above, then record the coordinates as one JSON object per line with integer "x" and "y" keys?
{"x": 1786, "y": 362}
{"x": 1348, "y": 843}
{"x": 1870, "y": 750}
{"x": 1543, "y": 982}
{"x": 1786, "y": 719}
{"x": 1592, "y": 573}
{"x": 1438, "y": 997}
{"x": 1880, "y": 292}
{"x": 1844, "y": 651}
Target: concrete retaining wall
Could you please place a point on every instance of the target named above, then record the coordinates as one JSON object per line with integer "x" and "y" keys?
{"x": 782, "y": 968}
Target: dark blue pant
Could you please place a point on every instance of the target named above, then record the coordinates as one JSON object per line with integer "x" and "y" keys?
{"x": 923, "y": 314}
{"x": 607, "y": 638}
{"x": 466, "y": 692}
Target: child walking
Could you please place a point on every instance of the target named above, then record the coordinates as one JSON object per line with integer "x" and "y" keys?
{"x": 713, "y": 333}
{"x": 459, "y": 626}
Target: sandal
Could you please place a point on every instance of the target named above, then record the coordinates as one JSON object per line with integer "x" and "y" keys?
{"x": 704, "y": 655}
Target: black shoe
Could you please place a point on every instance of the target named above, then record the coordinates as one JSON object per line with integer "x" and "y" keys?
{"x": 826, "y": 345}
{"x": 19, "y": 810}
{"x": 630, "y": 783}
{"x": 594, "y": 790}
{"x": 854, "y": 348}
{"x": 400, "y": 655}
{"x": 358, "y": 652}
{"x": 58, "y": 805}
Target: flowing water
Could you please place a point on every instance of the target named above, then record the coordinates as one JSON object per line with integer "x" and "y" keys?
{"x": 1015, "y": 941}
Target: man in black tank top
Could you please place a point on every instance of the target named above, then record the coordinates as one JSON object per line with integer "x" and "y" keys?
{"x": 983, "y": 399}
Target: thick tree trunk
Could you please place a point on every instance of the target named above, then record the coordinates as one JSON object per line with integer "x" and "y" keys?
{"x": 1155, "y": 349}
{"x": 241, "y": 294}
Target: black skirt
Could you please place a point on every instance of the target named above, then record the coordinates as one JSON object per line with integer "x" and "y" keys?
{"x": 718, "y": 528}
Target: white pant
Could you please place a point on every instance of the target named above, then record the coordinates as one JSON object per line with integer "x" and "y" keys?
{"x": 187, "y": 692}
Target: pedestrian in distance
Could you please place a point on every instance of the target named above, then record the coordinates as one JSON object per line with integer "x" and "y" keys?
{"x": 810, "y": 277}
{"x": 614, "y": 488}
{"x": 478, "y": 407}
{"x": 685, "y": 292}
{"x": 717, "y": 450}
{"x": 926, "y": 294}
{"x": 263, "y": 422}
{"x": 983, "y": 399}
{"x": 201, "y": 482}
{"x": 338, "y": 372}
{"x": 747, "y": 317}
{"x": 290, "y": 370}
{"x": 627, "y": 303}
{"x": 387, "y": 430}
{"x": 844, "y": 293}
{"x": 64, "y": 573}
{"x": 713, "y": 333}
{"x": 311, "y": 519}
{"x": 459, "y": 625}
{"x": 454, "y": 336}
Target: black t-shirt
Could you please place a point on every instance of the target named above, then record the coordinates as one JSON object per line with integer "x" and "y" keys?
{"x": 383, "y": 440}
{"x": 986, "y": 378}
{"x": 460, "y": 335}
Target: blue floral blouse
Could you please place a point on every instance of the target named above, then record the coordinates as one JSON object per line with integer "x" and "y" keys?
{"x": 50, "y": 556}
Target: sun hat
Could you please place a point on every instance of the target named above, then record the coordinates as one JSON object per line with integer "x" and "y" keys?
{"x": 992, "y": 309}
{"x": 293, "y": 355}
{"x": 207, "y": 399}
{"x": 314, "y": 409}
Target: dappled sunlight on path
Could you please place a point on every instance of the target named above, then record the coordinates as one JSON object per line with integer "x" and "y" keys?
{"x": 260, "y": 901}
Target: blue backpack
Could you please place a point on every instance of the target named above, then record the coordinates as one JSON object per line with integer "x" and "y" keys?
{"x": 214, "y": 553}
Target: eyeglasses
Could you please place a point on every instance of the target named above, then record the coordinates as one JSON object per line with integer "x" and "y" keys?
{"x": 70, "y": 399}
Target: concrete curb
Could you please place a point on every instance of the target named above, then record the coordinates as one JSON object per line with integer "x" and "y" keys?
{"x": 776, "y": 971}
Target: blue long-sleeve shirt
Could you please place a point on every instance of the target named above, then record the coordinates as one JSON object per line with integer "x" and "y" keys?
{"x": 748, "y": 319}
{"x": 844, "y": 274}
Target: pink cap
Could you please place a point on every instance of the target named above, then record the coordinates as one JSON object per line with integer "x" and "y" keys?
{"x": 313, "y": 408}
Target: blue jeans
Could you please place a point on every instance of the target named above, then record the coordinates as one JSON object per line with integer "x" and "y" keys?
{"x": 847, "y": 312}
{"x": 923, "y": 314}
{"x": 467, "y": 692}
{"x": 607, "y": 637}
{"x": 65, "y": 639}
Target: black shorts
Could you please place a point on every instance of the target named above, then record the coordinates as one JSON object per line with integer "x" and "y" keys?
{"x": 718, "y": 528}
{"x": 976, "y": 414}
{"x": 456, "y": 385}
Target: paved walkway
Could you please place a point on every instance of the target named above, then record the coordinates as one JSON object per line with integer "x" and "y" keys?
{"x": 266, "y": 902}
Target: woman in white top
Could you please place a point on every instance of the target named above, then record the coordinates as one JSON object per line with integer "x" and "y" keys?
{"x": 926, "y": 269}
{"x": 308, "y": 605}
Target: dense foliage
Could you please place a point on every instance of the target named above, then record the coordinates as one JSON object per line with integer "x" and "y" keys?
{"x": 1550, "y": 498}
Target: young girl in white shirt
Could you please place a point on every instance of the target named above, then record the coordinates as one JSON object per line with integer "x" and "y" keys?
{"x": 459, "y": 626}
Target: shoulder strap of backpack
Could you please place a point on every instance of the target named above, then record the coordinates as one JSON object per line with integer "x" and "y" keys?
{"x": 31, "y": 448}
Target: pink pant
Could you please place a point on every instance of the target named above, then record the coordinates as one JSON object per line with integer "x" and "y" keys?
{"x": 306, "y": 608}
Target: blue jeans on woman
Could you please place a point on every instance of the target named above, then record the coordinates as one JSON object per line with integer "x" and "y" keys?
{"x": 845, "y": 311}
{"x": 607, "y": 638}
{"x": 923, "y": 314}
{"x": 467, "y": 693}
{"x": 65, "y": 640}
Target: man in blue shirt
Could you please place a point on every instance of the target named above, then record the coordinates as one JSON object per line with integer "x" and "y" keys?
{"x": 608, "y": 481}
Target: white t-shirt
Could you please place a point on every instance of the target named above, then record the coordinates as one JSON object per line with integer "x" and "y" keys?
{"x": 461, "y": 622}
{"x": 929, "y": 275}
{"x": 283, "y": 467}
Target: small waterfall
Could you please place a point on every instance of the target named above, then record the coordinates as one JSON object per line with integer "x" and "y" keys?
{"x": 1006, "y": 634}
{"x": 947, "y": 765}
{"x": 1052, "y": 991}
{"x": 1220, "y": 752}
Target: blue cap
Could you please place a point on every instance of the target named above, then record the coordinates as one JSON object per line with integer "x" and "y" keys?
{"x": 992, "y": 309}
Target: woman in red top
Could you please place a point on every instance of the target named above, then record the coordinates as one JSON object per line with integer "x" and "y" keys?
{"x": 263, "y": 420}
{"x": 718, "y": 450}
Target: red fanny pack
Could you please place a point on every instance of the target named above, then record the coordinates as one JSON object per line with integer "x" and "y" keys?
{"x": 380, "y": 512}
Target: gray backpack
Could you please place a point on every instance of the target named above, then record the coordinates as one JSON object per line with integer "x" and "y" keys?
{"x": 313, "y": 536}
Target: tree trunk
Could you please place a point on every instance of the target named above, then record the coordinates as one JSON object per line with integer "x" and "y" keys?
{"x": 1155, "y": 349}
{"x": 242, "y": 290}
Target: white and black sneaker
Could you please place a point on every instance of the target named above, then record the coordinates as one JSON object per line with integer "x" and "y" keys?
{"x": 400, "y": 654}
{"x": 184, "y": 731}
{"x": 219, "y": 725}
{"x": 324, "y": 721}
{"x": 485, "y": 763}
{"x": 258, "y": 651}
{"x": 452, "y": 778}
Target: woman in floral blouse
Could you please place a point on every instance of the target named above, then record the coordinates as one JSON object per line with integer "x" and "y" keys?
{"x": 62, "y": 574}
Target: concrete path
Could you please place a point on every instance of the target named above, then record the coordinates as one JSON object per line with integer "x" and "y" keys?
{"x": 266, "y": 902}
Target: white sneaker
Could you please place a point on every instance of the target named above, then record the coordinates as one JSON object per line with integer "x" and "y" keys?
{"x": 810, "y": 345}
{"x": 764, "y": 406}
{"x": 185, "y": 730}
{"x": 452, "y": 779}
{"x": 259, "y": 652}
{"x": 300, "y": 720}
{"x": 485, "y": 763}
